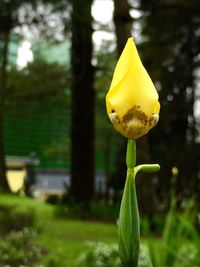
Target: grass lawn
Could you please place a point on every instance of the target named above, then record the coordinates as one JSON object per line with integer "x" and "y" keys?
{"x": 62, "y": 240}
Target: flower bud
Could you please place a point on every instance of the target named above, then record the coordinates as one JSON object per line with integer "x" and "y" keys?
{"x": 132, "y": 101}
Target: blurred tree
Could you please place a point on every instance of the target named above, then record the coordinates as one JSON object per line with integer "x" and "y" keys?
{"x": 82, "y": 166}
{"x": 10, "y": 18}
{"x": 7, "y": 16}
{"x": 37, "y": 113}
{"x": 3, "y": 180}
{"x": 39, "y": 80}
{"x": 170, "y": 49}
{"x": 123, "y": 23}
{"x": 107, "y": 141}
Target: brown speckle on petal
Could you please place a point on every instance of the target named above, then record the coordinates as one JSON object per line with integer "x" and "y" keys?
{"x": 135, "y": 113}
{"x": 134, "y": 123}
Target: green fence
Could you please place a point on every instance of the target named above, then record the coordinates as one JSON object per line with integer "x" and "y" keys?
{"x": 45, "y": 133}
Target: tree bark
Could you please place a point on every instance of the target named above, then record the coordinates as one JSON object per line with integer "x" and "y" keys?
{"x": 82, "y": 152}
{"x": 3, "y": 181}
{"x": 123, "y": 23}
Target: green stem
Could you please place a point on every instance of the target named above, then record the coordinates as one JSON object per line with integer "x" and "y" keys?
{"x": 131, "y": 154}
{"x": 129, "y": 222}
{"x": 129, "y": 230}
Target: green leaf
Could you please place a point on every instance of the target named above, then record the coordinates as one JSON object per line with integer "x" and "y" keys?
{"x": 147, "y": 168}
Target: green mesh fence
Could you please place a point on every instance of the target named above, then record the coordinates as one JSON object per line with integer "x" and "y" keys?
{"x": 46, "y": 134}
{"x": 43, "y": 133}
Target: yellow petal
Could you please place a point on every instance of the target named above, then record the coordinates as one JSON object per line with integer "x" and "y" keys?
{"x": 132, "y": 101}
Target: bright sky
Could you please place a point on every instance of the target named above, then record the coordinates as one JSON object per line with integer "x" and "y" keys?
{"x": 102, "y": 10}
{"x": 24, "y": 55}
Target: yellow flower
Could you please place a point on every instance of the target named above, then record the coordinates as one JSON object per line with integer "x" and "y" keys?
{"x": 132, "y": 101}
{"x": 174, "y": 171}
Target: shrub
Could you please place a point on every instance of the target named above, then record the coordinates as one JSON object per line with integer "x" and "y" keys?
{"x": 99, "y": 255}
{"x": 96, "y": 210}
{"x": 179, "y": 245}
{"x": 53, "y": 199}
{"x": 104, "y": 255}
{"x": 17, "y": 249}
{"x": 12, "y": 219}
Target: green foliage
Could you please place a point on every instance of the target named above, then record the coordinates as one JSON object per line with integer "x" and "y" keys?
{"x": 17, "y": 249}
{"x": 107, "y": 255}
{"x": 170, "y": 53}
{"x": 53, "y": 199}
{"x": 179, "y": 235}
{"x": 12, "y": 219}
{"x": 40, "y": 84}
{"x": 59, "y": 240}
{"x": 18, "y": 234}
{"x": 102, "y": 210}
{"x": 43, "y": 119}
{"x": 99, "y": 255}
{"x": 178, "y": 246}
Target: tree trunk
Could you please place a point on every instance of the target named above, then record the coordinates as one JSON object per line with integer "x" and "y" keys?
{"x": 123, "y": 23}
{"x": 82, "y": 165}
{"x": 3, "y": 180}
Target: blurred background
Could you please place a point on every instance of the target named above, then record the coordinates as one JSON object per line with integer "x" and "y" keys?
{"x": 57, "y": 59}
